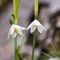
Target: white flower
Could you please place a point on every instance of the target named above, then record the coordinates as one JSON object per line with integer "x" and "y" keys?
{"x": 36, "y": 25}
{"x": 14, "y": 30}
{"x": 54, "y": 59}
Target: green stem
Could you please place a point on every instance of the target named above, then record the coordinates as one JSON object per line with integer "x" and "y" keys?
{"x": 33, "y": 48}
{"x": 54, "y": 48}
{"x": 47, "y": 54}
{"x": 36, "y": 9}
{"x": 15, "y": 48}
{"x": 15, "y": 11}
{"x": 36, "y": 17}
{"x": 20, "y": 56}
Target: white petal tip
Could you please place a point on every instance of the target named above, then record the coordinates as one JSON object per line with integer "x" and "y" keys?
{"x": 24, "y": 28}
{"x": 31, "y": 31}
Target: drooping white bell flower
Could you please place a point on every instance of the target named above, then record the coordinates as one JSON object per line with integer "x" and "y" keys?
{"x": 36, "y": 25}
{"x": 14, "y": 30}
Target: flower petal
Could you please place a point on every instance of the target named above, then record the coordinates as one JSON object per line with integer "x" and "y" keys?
{"x": 22, "y": 28}
{"x": 11, "y": 30}
{"x": 20, "y": 32}
{"x": 30, "y": 25}
{"x": 41, "y": 28}
{"x": 20, "y": 40}
{"x": 19, "y": 27}
{"x": 14, "y": 35}
{"x": 33, "y": 28}
{"x": 36, "y": 22}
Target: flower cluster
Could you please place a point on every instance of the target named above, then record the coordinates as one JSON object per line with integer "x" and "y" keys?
{"x": 16, "y": 29}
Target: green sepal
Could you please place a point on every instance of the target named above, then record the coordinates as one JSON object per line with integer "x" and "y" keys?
{"x": 36, "y": 17}
{"x": 11, "y": 19}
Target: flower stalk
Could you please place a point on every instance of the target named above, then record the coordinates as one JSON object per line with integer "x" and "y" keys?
{"x": 15, "y": 13}
{"x": 36, "y": 9}
{"x": 35, "y": 18}
{"x": 33, "y": 47}
{"x": 16, "y": 48}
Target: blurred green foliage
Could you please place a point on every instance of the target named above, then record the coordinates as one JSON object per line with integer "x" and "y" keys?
{"x": 2, "y": 2}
